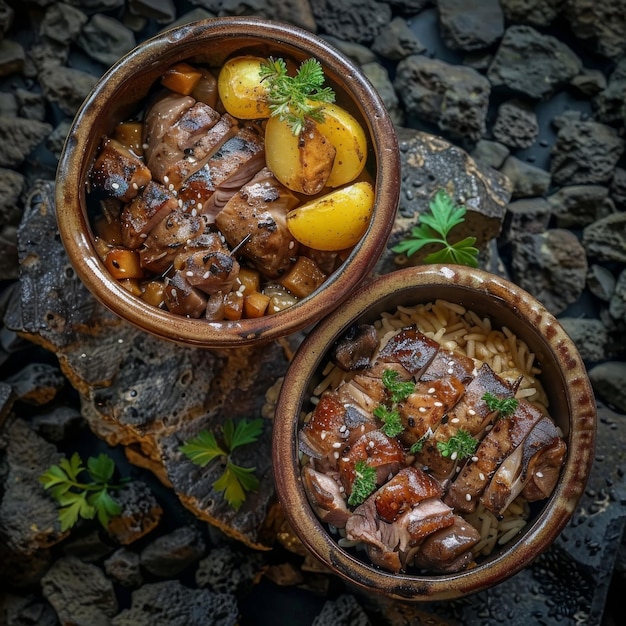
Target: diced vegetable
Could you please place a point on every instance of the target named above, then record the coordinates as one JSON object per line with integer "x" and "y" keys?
{"x": 303, "y": 278}
{"x": 240, "y": 88}
{"x": 132, "y": 285}
{"x": 255, "y": 304}
{"x": 181, "y": 78}
{"x": 250, "y": 279}
{"x": 233, "y": 306}
{"x": 123, "y": 263}
{"x": 153, "y": 293}
{"x": 206, "y": 88}
{"x": 335, "y": 221}
{"x": 110, "y": 232}
{"x": 130, "y": 135}
{"x": 301, "y": 162}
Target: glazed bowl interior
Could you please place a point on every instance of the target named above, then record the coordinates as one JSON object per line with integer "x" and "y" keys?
{"x": 122, "y": 92}
{"x": 571, "y": 404}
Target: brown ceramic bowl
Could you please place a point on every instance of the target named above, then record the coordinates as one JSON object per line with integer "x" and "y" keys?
{"x": 121, "y": 92}
{"x": 564, "y": 378}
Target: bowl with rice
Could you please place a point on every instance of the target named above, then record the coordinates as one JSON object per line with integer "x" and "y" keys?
{"x": 433, "y": 436}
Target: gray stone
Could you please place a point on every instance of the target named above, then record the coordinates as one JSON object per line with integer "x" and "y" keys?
{"x": 56, "y": 139}
{"x": 344, "y": 611}
{"x": 534, "y": 12}
{"x": 454, "y": 98}
{"x": 168, "y": 555}
{"x": 609, "y": 103}
{"x": 379, "y": 77}
{"x": 62, "y": 23}
{"x": 490, "y": 153}
{"x": 358, "y": 53}
{"x": 18, "y": 137}
{"x": 608, "y": 382}
{"x": 527, "y": 180}
{"x": 600, "y": 282}
{"x": 605, "y": 239}
{"x": 227, "y": 569}
{"x": 105, "y": 39}
{"x": 618, "y": 188}
{"x": 470, "y": 24}
{"x": 577, "y": 206}
{"x": 8, "y": 104}
{"x": 585, "y": 152}
{"x": 66, "y": 87}
{"x": 529, "y": 215}
{"x": 58, "y": 424}
{"x": 9, "y": 267}
{"x": 352, "y": 20}
{"x": 26, "y": 610}
{"x": 589, "y": 335}
{"x": 45, "y": 54}
{"x": 589, "y": 82}
{"x": 79, "y": 592}
{"x": 396, "y": 40}
{"x": 89, "y": 547}
{"x": 479, "y": 60}
{"x": 124, "y": 568}
{"x": 162, "y": 11}
{"x": 516, "y": 124}
{"x": 6, "y": 17}
{"x": 37, "y": 383}
{"x": 617, "y": 304}
{"x": 12, "y": 57}
{"x": 172, "y": 603}
{"x": 11, "y": 188}
{"x": 31, "y": 105}
{"x": 531, "y": 63}
{"x": 551, "y": 266}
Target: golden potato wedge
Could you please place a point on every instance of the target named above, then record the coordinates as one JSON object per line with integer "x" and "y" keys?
{"x": 301, "y": 162}
{"x": 240, "y": 89}
{"x": 334, "y": 221}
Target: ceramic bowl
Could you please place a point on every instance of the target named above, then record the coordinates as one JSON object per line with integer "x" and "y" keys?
{"x": 122, "y": 91}
{"x": 564, "y": 378}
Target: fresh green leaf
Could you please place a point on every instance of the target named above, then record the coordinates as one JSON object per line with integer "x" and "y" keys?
{"x": 202, "y": 449}
{"x": 416, "y": 448}
{"x": 399, "y": 390}
{"x": 235, "y": 482}
{"x": 244, "y": 432}
{"x": 101, "y": 468}
{"x": 75, "y": 506}
{"x": 364, "y": 483}
{"x": 104, "y": 505}
{"x": 294, "y": 98}
{"x": 434, "y": 227}
{"x": 504, "y": 406}
{"x": 392, "y": 423}
{"x": 458, "y": 446}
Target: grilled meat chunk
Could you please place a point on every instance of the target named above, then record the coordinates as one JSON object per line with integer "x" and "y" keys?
{"x": 326, "y": 497}
{"x": 354, "y": 350}
{"x": 411, "y": 349}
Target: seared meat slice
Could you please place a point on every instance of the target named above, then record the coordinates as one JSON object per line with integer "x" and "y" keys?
{"x": 168, "y": 238}
{"x": 449, "y": 363}
{"x": 232, "y": 166}
{"x": 383, "y": 453}
{"x": 408, "y": 487}
{"x": 354, "y": 350}
{"x": 162, "y": 113}
{"x": 500, "y": 441}
{"x": 326, "y": 497}
{"x": 470, "y": 414}
{"x": 144, "y": 212}
{"x": 183, "y": 299}
{"x": 118, "y": 172}
{"x": 189, "y": 143}
{"x": 256, "y": 214}
{"x": 544, "y": 470}
{"x": 542, "y": 450}
{"x": 411, "y": 349}
{"x": 448, "y": 549}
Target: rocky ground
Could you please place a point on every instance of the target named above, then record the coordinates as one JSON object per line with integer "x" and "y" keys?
{"x": 518, "y": 106}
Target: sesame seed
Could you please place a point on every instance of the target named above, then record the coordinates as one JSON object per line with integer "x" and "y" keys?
{"x": 481, "y": 476}
{"x": 453, "y": 456}
{"x": 474, "y": 458}
{"x": 199, "y": 206}
{"x": 370, "y": 445}
{"x": 468, "y": 497}
{"x": 166, "y": 179}
{"x": 135, "y": 186}
{"x": 171, "y": 186}
{"x": 539, "y": 474}
{"x": 206, "y": 275}
{"x": 455, "y": 420}
{"x": 438, "y": 403}
{"x": 450, "y": 371}
{"x": 336, "y": 455}
{"x": 472, "y": 412}
{"x": 431, "y": 390}
{"x": 323, "y": 435}
{"x": 194, "y": 212}
{"x": 189, "y": 273}
{"x": 342, "y": 428}
{"x": 337, "y": 444}
{"x": 346, "y": 459}
{"x": 115, "y": 185}
{"x": 173, "y": 292}
{"x": 341, "y": 489}
{"x": 292, "y": 245}
{"x": 422, "y": 409}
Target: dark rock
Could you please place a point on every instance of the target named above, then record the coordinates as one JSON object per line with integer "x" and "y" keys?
{"x": 429, "y": 164}
{"x": 453, "y": 97}
{"x": 12, "y": 57}
{"x": 534, "y": 12}
{"x": 618, "y": 188}
{"x": 6, "y": 402}
{"x": 170, "y": 554}
{"x": 589, "y": 335}
{"x": 56, "y": 139}
{"x": 162, "y": 11}
{"x": 605, "y": 239}
{"x": 576, "y": 206}
{"x": 532, "y": 64}
{"x": 589, "y": 82}
{"x": 171, "y": 603}
{"x": 516, "y": 124}
{"x": 360, "y": 54}
{"x": 396, "y": 40}
{"x": 617, "y": 304}
{"x": 527, "y": 180}
{"x": 105, "y": 39}
{"x": 31, "y": 105}
{"x": 79, "y": 592}
{"x": 26, "y": 610}
{"x": 18, "y": 137}
{"x": 9, "y": 269}
{"x": 609, "y": 103}
{"x": 585, "y": 152}
{"x": 379, "y": 77}
{"x": 227, "y": 569}
{"x": 8, "y": 104}
{"x": 6, "y": 17}
{"x": 490, "y": 153}
{"x": 551, "y": 266}
{"x": 124, "y": 567}
{"x": 62, "y": 23}
{"x": 470, "y": 24}
{"x": 45, "y": 54}
{"x": 353, "y": 20}
{"x": 600, "y": 282}
{"x": 89, "y": 547}
{"x": 66, "y": 87}
{"x": 11, "y": 188}
{"x": 344, "y": 611}
{"x": 37, "y": 383}
{"x": 479, "y": 60}
{"x": 530, "y": 215}
{"x": 608, "y": 382}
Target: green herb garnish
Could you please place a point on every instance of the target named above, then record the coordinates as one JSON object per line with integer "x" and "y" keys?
{"x": 392, "y": 424}
{"x": 505, "y": 406}
{"x": 364, "y": 483}
{"x": 416, "y": 448}
{"x": 235, "y": 481}
{"x": 434, "y": 227}
{"x": 388, "y": 413}
{"x": 458, "y": 446}
{"x": 399, "y": 390}
{"x": 82, "y": 499}
{"x": 294, "y": 98}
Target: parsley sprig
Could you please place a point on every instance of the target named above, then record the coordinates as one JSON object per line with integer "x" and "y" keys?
{"x": 294, "y": 98}
{"x": 505, "y": 406}
{"x": 236, "y": 480}
{"x": 434, "y": 227}
{"x": 78, "y": 498}
{"x": 398, "y": 391}
{"x": 364, "y": 483}
{"x": 459, "y": 446}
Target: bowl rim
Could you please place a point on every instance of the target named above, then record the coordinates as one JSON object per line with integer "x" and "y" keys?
{"x": 75, "y": 230}
{"x": 543, "y": 529}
